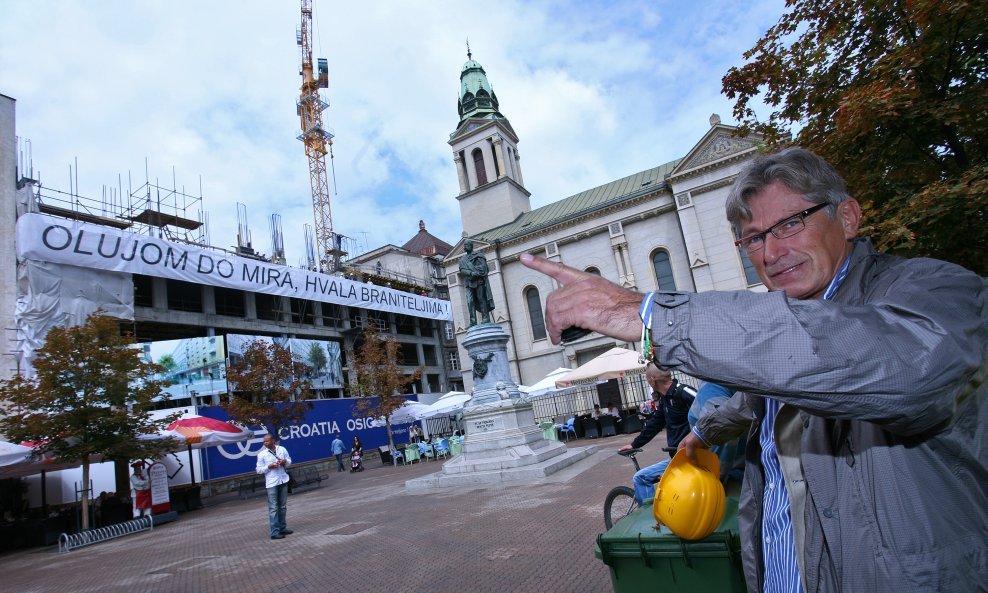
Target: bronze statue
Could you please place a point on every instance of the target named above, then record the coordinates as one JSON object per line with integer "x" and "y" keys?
{"x": 473, "y": 270}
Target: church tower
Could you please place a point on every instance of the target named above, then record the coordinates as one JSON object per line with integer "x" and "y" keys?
{"x": 485, "y": 151}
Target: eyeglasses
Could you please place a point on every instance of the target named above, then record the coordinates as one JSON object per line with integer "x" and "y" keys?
{"x": 780, "y": 230}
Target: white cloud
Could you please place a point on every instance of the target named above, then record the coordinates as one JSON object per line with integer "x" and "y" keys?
{"x": 207, "y": 89}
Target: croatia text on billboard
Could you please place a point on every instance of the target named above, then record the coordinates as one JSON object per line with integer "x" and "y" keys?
{"x": 192, "y": 367}
{"x": 47, "y": 238}
{"x": 308, "y": 440}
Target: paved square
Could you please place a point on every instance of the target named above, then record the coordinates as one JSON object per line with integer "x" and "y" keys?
{"x": 362, "y": 532}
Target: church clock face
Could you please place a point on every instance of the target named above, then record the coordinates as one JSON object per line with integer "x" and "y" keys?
{"x": 471, "y": 127}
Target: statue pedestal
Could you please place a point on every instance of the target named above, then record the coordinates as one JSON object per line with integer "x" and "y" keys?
{"x": 503, "y": 442}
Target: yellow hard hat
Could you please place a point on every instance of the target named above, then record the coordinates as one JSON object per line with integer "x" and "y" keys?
{"x": 690, "y": 498}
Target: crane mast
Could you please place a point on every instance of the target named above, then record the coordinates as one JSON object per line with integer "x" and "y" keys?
{"x": 318, "y": 142}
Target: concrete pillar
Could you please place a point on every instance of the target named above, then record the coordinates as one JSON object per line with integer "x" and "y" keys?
{"x": 461, "y": 172}
{"x": 499, "y": 156}
{"x": 518, "y": 177}
{"x": 159, "y": 294}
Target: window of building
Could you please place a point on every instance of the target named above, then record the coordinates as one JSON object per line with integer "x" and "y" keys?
{"x": 429, "y": 354}
{"x": 405, "y": 324}
{"x": 184, "y": 296}
{"x": 267, "y": 306}
{"x": 750, "y": 275}
{"x": 663, "y": 270}
{"x": 478, "y": 166}
{"x": 454, "y": 360}
{"x": 535, "y": 313}
{"x": 302, "y": 311}
{"x": 143, "y": 287}
{"x": 229, "y": 301}
{"x": 408, "y": 354}
{"x": 593, "y": 270}
{"x": 448, "y": 328}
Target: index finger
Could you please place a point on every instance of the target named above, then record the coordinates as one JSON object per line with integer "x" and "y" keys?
{"x": 561, "y": 272}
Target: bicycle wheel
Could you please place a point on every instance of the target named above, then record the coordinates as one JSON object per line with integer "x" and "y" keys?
{"x": 619, "y": 503}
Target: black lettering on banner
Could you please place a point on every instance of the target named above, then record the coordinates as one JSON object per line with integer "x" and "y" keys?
{"x": 178, "y": 264}
{"x": 364, "y": 293}
{"x": 249, "y": 276}
{"x": 116, "y": 247}
{"x": 133, "y": 252}
{"x": 144, "y": 255}
{"x": 68, "y": 237}
{"x": 203, "y": 258}
{"x": 224, "y": 272}
{"x": 78, "y": 244}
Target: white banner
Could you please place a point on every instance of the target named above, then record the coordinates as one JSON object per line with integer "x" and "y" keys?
{"x": 75, "y": 243}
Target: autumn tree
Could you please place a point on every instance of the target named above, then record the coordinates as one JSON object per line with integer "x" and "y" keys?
{"x": 378, "y": 378}
{"x": 265, "y": 388}
{"x": 91, "y": 396}
{"x": 892, "y": 94}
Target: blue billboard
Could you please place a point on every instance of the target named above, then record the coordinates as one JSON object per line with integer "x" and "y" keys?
{"x": 308, "y": 440}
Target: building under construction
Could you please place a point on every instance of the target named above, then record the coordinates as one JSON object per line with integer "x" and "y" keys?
{"x": 142, "y": 253}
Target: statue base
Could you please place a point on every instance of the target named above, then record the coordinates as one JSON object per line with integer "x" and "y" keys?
{"x": 503, "y": 442}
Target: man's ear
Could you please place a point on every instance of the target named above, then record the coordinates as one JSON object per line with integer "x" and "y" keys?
{"x": 849, "y": 214}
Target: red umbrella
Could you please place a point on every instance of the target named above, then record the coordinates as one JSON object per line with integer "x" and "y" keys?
{"x": 199, "y": 431}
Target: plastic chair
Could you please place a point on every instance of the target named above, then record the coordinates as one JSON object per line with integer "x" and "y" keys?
{"x": 568, "y": 428}
{"x": 426, "y": 450}
{"x": 412, "y": 453}
{"x": 442, "y": 448}
{"x": 455, "y": 446}
{"x": 396, "y": 456}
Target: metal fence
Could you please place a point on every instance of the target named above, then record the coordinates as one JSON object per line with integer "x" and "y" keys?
{"x": 69, "y": 541}
{"x": 561, "y": 406}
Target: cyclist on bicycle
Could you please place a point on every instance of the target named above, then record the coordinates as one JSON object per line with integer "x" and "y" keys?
{"x": 672, "y": 404}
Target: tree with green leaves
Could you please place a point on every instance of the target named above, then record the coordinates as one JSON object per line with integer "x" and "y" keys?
{"x": 378, "y": 379}
{"x": 265, "y": 388}
{"x": 167, "y": 362}
{"x": 91, "y": 396}
{"x": 317, "y": 357}
{"x": 892, "y": 94}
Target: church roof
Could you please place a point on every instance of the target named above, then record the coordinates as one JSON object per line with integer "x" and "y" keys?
{"x": 424, "y": 243}
{"x": 583, "y": 203}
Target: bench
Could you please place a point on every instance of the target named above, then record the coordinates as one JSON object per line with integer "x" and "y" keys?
{"x": 251, "y": 486}
{"x": 304, "y": 476}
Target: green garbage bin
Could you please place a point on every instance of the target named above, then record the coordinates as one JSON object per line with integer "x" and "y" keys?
{"x": 548, "y": 430}
{"x": 642, "y": 557}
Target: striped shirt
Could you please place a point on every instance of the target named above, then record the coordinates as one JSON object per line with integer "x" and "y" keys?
{"x": 778, "y": 548}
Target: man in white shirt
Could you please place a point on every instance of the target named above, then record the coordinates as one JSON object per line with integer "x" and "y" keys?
{"x": 273, "y": 462}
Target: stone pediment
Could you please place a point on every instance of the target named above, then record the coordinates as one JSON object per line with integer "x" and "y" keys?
{"x": 718, "y": 144}
{"x": 473, "y": 124}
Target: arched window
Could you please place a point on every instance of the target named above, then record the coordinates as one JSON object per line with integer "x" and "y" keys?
{"x": 535, "y": 313}
{"x": 593, "y": 270}
{"x": 663, "y": 270}
{"x": 478, "y": 166}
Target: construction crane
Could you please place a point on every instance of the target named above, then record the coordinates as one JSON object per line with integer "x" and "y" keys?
{"x": 318, "y": 142}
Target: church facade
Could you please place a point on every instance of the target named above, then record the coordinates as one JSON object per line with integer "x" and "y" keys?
{"x": 663, "y": 227}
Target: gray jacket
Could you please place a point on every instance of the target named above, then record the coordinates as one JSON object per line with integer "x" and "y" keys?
{"x": 885, "y": 389}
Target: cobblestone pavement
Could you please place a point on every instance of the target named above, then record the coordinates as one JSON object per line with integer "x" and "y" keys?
{"x": 362, "y": 532}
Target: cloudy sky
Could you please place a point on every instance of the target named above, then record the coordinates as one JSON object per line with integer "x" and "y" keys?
{"x": 186, "y": 92}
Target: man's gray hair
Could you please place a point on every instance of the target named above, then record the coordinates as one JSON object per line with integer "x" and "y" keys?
{"x": 800, "y": 170}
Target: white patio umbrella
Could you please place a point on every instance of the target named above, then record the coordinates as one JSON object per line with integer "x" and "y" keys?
{"x": 616, "y": 363}
{"x": 11, "y": 453}
{"x": 546, "y": 385}
{"x": 451, "y": 403}
{"x": 408, "y": 412}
